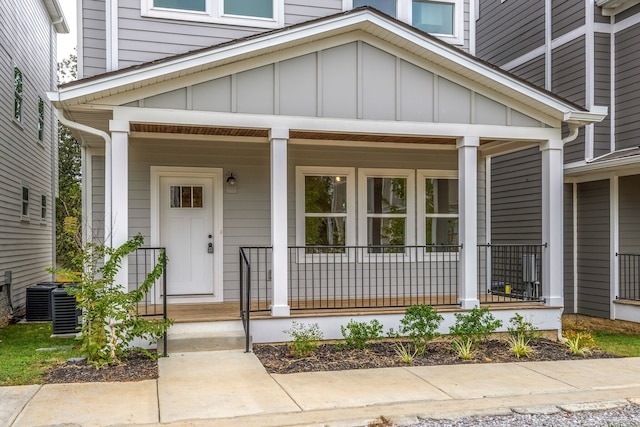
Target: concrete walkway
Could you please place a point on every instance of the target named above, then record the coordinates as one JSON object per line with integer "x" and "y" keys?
{"x": 230, "y": 388}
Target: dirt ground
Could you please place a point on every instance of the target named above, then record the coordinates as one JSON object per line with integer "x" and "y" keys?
{"x": 587, "y": 323}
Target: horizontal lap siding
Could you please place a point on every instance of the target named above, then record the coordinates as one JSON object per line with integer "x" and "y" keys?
{"x": 94, "y": 47}
{"x": 627, "y": 85}
{"x": 498, "y": 39}
{"x": 602, "y": 94}
{"x": 296, "y": 11}
{"x": 568, "y": 249}
{"x": 516, "y": 197}
{"x": 593, "y": 249}
{"x": 26, "y": 246}
{"x": 629, "y": 208}
{"x": 533, "y": 71}
{"x": 566, "y": 16}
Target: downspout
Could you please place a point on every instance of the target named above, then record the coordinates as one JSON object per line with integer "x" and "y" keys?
{"x": 107, "y": 171}
{"x": 573, "y": 133}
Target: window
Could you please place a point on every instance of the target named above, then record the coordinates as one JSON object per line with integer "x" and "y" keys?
{"x": 438, "y": 207}
{"x": 443, "y": 18}
{"x": 25, "y": 202}
{"x": 325, "y": 200}
{"x": 387, "y": 208}
{"x": 186, "y": 196}
{"x": 43, "y": 208}
{"x": 40, "y": 119}
{"x": 17, "y": 90}
{"x": 255, "y": 13}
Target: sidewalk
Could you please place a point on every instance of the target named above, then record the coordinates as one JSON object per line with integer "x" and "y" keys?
{"x": 232, "y": 388}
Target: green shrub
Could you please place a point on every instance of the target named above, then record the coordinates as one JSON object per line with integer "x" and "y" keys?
{"x": 477, "y": 326}
{"x": 420, "y": 323}
{"x": 404, "y": 353}
{"x": 521, "y": 332}
{"x": 305, "y": 338}
{"x": 360, "y": 334}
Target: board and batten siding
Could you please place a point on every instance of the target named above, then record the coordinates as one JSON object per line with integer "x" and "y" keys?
{"x": 629, "y": 213}
{"x": 516, "y": 197}
{"x": 568, "y": 249}
{"x": 627, "y": 86}
{"x": 602, "y": 92}
{"x": 566, "y": 16}
{"x": 26, "y": 245}
{"x": 499, "y": 40}
{"x": 593, "y": 243}
{"x": 93, "y": 52}
{"x": 353, "y": 81}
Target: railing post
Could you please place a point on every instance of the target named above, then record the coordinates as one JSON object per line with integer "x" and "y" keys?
{"x": 164, "y": 298}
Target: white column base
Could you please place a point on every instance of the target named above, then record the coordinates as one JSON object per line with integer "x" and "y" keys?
{"x": 280, "y": 311}
{"x": 468, "y": 304}
{"x": 553, "y": 301}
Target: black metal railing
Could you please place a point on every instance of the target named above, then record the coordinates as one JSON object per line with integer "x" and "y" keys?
{"x": 510, "y": 272}
{"x": 629, "y": 276}
{"x": 255, "y": 285}
{"x": 348, "y": 277}
{"x": 154, "y": 303}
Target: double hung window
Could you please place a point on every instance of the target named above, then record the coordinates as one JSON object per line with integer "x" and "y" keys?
{"x": 17, "y": 91}
{"x": 40, "y": 119}
{"x": 25, "y": 202}
{"x": 43, "y": 208}
{"x": 438, "y": 207}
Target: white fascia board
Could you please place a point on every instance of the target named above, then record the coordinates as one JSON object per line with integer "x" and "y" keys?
{"x": 57, "y": 16}
{"x": 596, "y": 115}
{"x": 577, "y": 169}
{"x": 613, "y": 7}
{"x": 381, "y": 127}
{"x": 443, "y": 55}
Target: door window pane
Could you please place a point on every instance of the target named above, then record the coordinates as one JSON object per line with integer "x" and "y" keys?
{"x": 441, "y": 196}
{"x": 196, "y": 5}
{"x": 175, "y": 196}
{"x": 257, "y": 8}
{"x": 386, "y": 6}
{"x": 325, "y": 231}
{"x": 325, "y": 194}
{"x": 387, "y": 195}
{"x": 433, "y": 17}
{"x": 197, "y": 197}
{"x": 186, "y": 197}
{"x": 442, "y": 231}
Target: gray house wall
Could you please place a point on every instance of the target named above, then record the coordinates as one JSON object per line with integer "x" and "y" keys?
{"x": 533, "y": 71}
{"x": 627, "y": 101}
{"x": 629, "y": 211}
{"x": 26, "y": 245}
{"x": 593, "y": 248}
{"x": 602, "y": 91}
{"x": 568, "y": 249}
{"x": 92, "y": 49}
{"x": 566, "y": 16}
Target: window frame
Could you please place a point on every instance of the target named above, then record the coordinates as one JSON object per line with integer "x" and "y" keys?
{"x": 409, "y": 175}
{"x": 214, "y": 13}
{"x": 25, "y": 203}
{"x": 301, "y": 214}
{"x": 43, "y": 208}
{"x": 41, "y": 114}
{"x": 18, "y": 96}
{"x": 421, "y": 215}
{"x": 404, "y": 13}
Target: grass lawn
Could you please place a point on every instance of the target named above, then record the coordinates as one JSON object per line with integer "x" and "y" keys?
{"x": 617, "y": 343}
{"x": 20, "y": 363}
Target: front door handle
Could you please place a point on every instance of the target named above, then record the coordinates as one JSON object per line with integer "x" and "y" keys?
{"x": 210, "y": 248}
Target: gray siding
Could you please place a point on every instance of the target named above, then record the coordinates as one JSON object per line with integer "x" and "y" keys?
{"x": 568, "y": 249}
{"x": 26, "y": 246}
{"x": 602, "y": 94}
{"x": 97, "y": 199}
{"x": 94, "y": 48}
{"x": 534, "y": 71}
{"x": 296, "y": 11}
{"x": 569, "y": 80}
{"x": 566, "y": 16}
{"x": 629, "y": 211}
{"x": 354, "y": 81}
{"x": 593, "y": 249}
{"x": 598, "y": 17}
{"x": 498, "y": 39}
{"x": 627, "y": 85}
{"x": 628, "y": 13}
{"x": 516, "y": 197}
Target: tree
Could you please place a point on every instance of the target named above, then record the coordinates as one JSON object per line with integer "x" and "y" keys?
{"x": 69, "y": 201}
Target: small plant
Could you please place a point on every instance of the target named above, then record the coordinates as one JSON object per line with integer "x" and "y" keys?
{"x": 305, "y": 338}
{"x": 420, "y": 323}
{"x": 579, "y": 343}
{"x": 476, "y": 326}
{"x": 360, "y": 334}
{"x": 521, "y": 332}
{"x": 404, "y": 354}
{"x": 464, "y": 348}
{"x": 519, "y": 346}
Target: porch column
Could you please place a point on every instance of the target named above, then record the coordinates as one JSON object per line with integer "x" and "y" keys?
{"x": 119, "y": 221}
{"x": 278, "y": 138}
{"x": 468, "y": 221}
{"x": 552, "y": 214}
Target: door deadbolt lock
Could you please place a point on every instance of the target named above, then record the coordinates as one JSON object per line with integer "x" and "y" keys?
{"x": 210, "y": 248}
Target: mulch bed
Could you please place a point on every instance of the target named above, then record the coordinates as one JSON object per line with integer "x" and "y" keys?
{"x": 330, "y": 357}
{"x": 135, "y": 367}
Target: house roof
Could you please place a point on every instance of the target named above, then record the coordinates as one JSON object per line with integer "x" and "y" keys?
{"x": 627, "y": 158}
{"x": 57, "y": 16}
{"x": 365, "y": 19}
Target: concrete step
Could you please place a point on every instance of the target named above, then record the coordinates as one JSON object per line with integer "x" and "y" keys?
{"x": 204, "y": 336}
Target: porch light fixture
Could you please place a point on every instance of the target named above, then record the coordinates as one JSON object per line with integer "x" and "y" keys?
{"x": 231, "y": 180}
{"x": 230, "y": 187}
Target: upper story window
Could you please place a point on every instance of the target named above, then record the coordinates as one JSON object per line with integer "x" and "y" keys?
{"x": 40, "y": 119}
{"x": 442, "y": 18}
{"x": 43, "y": 208}
{"x": 25, "y": 202}
{"x": 254, "y": 13}
{"x": 17, "y": 90}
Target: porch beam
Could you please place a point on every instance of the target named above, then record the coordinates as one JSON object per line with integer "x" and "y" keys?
{"x": 468, "y": 221}
{"x": 278, "y": 139}
{"x": 552, "y": 227}
{"x": 119, "y": 194}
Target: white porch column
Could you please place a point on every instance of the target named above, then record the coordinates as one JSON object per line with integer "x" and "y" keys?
{"x": 278, "y": 138}
{"x": 119, "y": 220}
{"x": 552, "y": 215}
{"x": 468, "y": 221}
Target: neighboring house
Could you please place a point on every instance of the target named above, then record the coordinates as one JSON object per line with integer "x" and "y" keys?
{"x": 588, "y": 52}
{"x": 28, "y": 146}
{"x": 347, "y": 148}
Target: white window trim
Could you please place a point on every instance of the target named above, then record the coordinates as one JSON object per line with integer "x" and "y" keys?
{"x": 365, "y": 173}
{"x": 404, "y": 13}
{"x": 350, "y": 237}
{"x": 214, "y": 13}
{"x": 421, "y": 176}
{"x": 24, "y": 217}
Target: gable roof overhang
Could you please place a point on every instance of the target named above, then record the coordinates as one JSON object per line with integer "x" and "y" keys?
{"x": 370, "y": 21}
{"x": 57, "y": 16}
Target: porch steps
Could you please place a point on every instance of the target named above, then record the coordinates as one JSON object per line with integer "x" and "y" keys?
{"x": 204, "y": 336}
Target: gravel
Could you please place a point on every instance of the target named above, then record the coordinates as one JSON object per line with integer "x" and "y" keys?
{"x": 627, "y": 416}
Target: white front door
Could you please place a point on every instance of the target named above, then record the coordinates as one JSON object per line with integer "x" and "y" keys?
{"x": 186, "y": 208}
